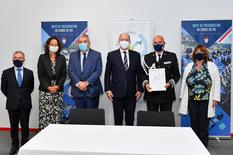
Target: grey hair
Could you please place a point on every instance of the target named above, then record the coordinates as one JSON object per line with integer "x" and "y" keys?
{"x": 125, "y": 34}
{"x": 21, "y": 52}
{"x": 84, "y": 36}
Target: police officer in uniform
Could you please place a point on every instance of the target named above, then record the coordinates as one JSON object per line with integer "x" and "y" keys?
{"x": 160, "y": 100}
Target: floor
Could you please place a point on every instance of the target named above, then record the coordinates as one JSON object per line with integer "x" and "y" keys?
{"x": 5, "y": 143}
{"x": 216, "y": 147}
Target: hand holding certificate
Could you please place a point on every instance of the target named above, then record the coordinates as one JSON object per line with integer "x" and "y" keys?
{"x": 157, "y": 79}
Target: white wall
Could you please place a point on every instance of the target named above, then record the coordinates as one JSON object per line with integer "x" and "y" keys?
{"x": 20, "y": 29}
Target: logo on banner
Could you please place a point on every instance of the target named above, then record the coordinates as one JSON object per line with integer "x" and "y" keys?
{"x": 64, "y": 40}
{"x": 206, "y": 39}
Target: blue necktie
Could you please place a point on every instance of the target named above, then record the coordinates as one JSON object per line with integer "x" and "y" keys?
{"x": 19, "y": 77}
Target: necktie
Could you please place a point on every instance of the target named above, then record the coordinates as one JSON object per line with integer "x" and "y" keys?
{"x": 84, "y": 58}
{"x": 19, "y": 77}
{"x": 125, "y": 61}
{"x": 159, "y": 57}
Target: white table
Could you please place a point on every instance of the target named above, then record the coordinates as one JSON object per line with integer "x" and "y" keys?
{"x": 113, "y": 140}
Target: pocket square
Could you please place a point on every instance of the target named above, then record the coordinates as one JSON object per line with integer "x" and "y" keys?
{"x": 167, "y": 62}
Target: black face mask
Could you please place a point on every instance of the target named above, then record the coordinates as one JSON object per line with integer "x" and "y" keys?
{"x": 158, "y": 47}
{"x": 199, "y": 56}
{"x": 18, "y": 63}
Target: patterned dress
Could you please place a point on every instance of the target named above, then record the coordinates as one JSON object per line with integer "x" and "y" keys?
{"x": 50, "y": 105}
{"x": 199, "y": 83}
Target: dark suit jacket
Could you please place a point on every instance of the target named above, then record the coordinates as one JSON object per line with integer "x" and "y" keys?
{"x": 170, "y": 63}
{"x": 92, "y": 70}
{"x": 123, "y": 83}
{"x": 45, "y": 71}
{"x": 13, "y": 92}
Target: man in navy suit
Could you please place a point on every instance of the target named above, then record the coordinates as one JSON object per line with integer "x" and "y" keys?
{"x": 85, "y": 68}
{"x": 123, "y": 80}
{"x": 17, "y": 85}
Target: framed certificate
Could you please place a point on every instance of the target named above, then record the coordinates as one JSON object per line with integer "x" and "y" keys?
{"x": 157, "y": 79}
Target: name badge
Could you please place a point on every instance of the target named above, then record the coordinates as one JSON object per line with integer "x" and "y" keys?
{"x": 167, "y": 62}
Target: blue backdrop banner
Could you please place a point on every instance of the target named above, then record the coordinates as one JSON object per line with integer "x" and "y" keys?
{"x": 216, "y": 35}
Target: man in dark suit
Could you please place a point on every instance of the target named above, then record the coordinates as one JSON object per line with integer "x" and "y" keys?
{"x": 17, "y": 85}
{"x": 122, "y": 80}
{"x": 160, "y": 100}
{"x": 85, "y": 68}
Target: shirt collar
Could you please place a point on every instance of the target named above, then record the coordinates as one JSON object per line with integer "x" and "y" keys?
{"x": 16, "y": 68}
{"x": 157, "y": 53}
{"x": 127, "y": 50}
{"x": 84, "y": 52}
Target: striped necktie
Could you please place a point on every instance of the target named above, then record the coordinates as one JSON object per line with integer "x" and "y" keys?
{"x": 125, "y": 61}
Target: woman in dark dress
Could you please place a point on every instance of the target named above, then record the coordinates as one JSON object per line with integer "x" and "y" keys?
{"x": 52, "y": 75}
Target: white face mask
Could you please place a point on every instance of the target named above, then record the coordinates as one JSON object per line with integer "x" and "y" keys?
{"x": 53, "y": 49}
{"x": 124, "y": 45}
